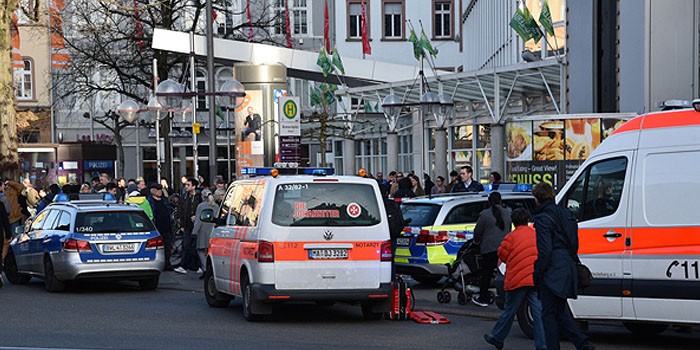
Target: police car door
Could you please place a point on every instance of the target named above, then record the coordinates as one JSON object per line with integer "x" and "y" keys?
{"x": 598, "y": 198}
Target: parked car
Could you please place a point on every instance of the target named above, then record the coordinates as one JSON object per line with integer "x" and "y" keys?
{"x": 82, "y": 240}
{"x": 424, "y": 257}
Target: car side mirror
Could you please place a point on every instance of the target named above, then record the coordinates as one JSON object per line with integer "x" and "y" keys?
{"x": 19, "y": 230}
{"x": 207, "y": 215}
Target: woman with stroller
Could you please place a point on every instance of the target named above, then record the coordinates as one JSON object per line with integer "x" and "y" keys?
{"x": 491, "y": 227}
{"x": 519, "y": 252}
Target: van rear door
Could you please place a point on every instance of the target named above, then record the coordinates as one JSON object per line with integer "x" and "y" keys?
{"x": 328, "y": 235}
{"x": 598, "y": 198}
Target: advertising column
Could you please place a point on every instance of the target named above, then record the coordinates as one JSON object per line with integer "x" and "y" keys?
{"x": 255, "y": 119}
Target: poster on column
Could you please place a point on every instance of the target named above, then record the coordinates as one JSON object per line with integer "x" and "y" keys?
{"x": 249, "y": 137}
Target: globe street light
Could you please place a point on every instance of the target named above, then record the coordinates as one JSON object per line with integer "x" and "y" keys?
{"x": 129, "y": 111}
{"x": 155, "y": 108}
{"x": 233, "y": 96}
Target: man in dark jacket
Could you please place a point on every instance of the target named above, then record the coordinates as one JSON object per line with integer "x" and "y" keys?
{"x": 188, "y": 207}
{"x": 161, "y": 218}
{"x": 555, "y": 270}
{"x": 466, "y": 183}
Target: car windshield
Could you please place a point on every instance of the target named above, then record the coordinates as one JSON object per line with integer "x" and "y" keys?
{"x": 325, "y": 204}
{"x": 113, "y": 221}
{"x": 420, "y": 214}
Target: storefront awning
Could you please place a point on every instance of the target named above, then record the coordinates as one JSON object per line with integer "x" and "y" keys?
{"x": 486, "y": 88}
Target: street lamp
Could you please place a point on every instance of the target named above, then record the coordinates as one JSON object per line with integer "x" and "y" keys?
{"x": 155, "y": 107}
{"x": 129, "y": 111}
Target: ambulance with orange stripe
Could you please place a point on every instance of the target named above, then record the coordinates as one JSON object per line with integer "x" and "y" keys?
{"x": 299, "y": 238}
{"x": 636, "y": 200}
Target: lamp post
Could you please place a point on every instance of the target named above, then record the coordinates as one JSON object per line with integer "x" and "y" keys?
{"x": 234, "y": 95}
{"x": 155, "y": 107}
{"x": 439, "y": 106}
{"x": 129, "y": 110}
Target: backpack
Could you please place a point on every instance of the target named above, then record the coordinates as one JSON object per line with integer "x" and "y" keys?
{"x": 395, "y": 218}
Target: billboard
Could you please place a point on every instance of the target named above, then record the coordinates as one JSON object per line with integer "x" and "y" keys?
{"x": 550, "y": 150}
{"x": 250, "y": 148}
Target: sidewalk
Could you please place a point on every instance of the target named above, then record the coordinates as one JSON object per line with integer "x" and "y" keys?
{"x": 426, "y": 296}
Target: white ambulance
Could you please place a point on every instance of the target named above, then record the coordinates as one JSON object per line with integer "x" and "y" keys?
{"x": 299, "y": 238}
{"x": 636, "y": 200}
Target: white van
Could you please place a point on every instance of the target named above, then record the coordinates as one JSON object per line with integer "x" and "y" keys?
{"x": 636, "y": 200}
{"x": 300, "y": 238}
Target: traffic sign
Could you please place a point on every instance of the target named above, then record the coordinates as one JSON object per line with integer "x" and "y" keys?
{"x": 290, "y": 116}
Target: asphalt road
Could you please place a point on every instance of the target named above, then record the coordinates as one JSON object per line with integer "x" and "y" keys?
{"x": 120, "y": 316}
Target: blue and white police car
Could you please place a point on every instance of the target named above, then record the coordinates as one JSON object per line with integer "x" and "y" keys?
{"x": 85, "y": 240}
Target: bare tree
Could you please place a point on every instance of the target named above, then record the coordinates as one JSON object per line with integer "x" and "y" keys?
{"x": 9, "y": 159}
{"x": 113, "y": 38}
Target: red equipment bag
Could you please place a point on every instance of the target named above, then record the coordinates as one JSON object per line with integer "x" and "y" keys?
{"x": 401, "y": 301}
{"x": 429, "y": 317}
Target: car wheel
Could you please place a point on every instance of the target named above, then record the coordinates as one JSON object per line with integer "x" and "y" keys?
{"x": 370, "y": 315}
{"x": 51, "y": 282}
{"x": 11, "y": 270}
{"x": 213, "y": 296}
{"x": 428, "y": 280}
{"x": 248, "y": 301}
{"x": 149, "y": 284}
{"x": 525, "y": 320}
{"x": 645, "y": 329}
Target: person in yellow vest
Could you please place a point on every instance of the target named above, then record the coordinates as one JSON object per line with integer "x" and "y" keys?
{"x": 135, "y": 197}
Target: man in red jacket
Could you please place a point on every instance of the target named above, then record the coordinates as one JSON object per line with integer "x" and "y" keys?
{"x": 519, "y": 252}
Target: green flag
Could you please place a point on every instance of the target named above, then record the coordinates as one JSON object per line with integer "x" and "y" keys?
{"x": 337, "y": 62}
{"x": 518, "y": 23}
{"x": 417, "y": 49}
{"x": 324, "y": 62}
{"x": 425, "y": 43}
{"x": 532, "y": 26}
{"x": 546, "y": 19}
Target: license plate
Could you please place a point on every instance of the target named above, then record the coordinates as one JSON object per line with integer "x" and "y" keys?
{"x": 118, "y": 248}
{"x": 403, "y": 241}
{"x": 328, "y": 254}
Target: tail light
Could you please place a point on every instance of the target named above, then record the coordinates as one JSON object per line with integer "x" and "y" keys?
{"x": 266, "y": 252}
{"x": 385, "y": 251}
{"x": 425, "y": 238}
{"x": 155, "y": 243}
{"x": 76, "y": 245}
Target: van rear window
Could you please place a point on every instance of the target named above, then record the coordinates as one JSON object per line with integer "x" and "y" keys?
{"x": 325, "y": 204}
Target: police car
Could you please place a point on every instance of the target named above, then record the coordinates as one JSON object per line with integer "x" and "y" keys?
{"x": 86, "y": 239}
{"x": 439, "y": 225}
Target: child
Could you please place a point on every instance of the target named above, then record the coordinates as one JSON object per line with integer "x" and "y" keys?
{"x": 519, "y": 252}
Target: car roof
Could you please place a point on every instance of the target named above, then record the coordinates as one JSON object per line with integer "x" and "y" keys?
{"x": 94, "y": 205}
{"x": 463, "y": 197}
{"x": 307, "y": 178}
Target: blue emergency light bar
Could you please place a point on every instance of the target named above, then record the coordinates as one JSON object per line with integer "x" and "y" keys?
{"x": 508, "y": 187}
{"x": 288, "y": 171}
{"x": 64, "y": 198}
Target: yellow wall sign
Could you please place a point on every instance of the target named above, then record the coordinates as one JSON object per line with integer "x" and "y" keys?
{"x": 195, "y": 128}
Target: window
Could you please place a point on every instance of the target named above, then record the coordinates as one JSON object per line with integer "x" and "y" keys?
{"x": 596, "y": 192}
{"x": 420, "y": 214}
{"x": 465, "y": 213}
{"x": 299, "y": 17}
{"x": 201, "y": 80}
{"x": 23, "y": 81}
{"x": 279, "y": 27}
{"x": 39, "y": 221}
{"x": 325, "y": 205}
{"x": 63, "y": 223}
{"x": 442, "y": 20}
{"x": 50, "y": 221}
{"x": 355, "y": 19}
{"x": 245, "y": 204}
{"x": 393, "y": 20}
{"x": 558, "y": 10}
{"x": 113, "y": 221}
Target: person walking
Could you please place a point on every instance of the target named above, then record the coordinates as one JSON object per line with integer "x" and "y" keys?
{"x": 188, "y": 207}
{"x": 555, "y": 269}
{"x": 162, "y": 212}
{"x": 491, "y": 227}
{"x": 519, "y": 252}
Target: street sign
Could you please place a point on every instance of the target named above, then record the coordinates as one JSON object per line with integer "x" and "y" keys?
{"x": 290, "y": 116}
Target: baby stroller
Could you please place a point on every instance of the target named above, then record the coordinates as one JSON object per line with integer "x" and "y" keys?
{"x": 462, "y": 275}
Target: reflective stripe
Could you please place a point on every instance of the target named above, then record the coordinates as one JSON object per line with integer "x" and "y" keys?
{"x": 295, "y": 251}
{"x": 686, "y": 117}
